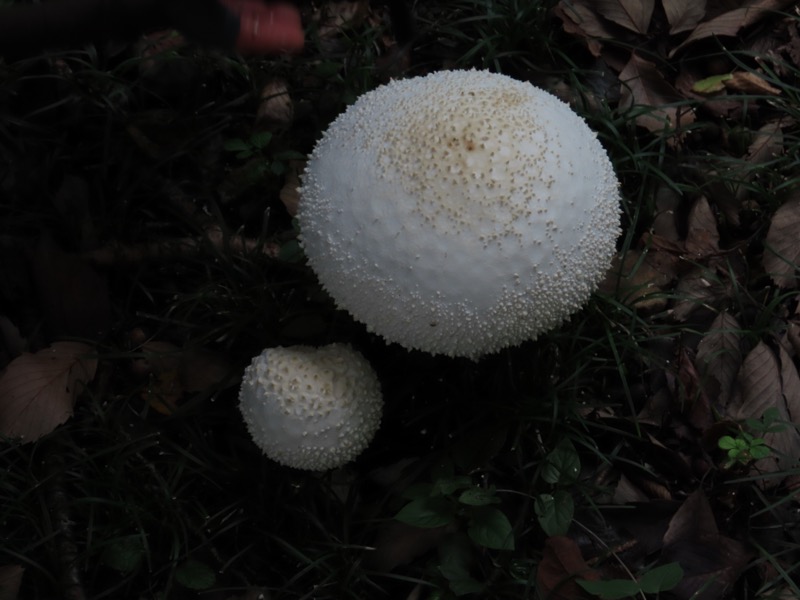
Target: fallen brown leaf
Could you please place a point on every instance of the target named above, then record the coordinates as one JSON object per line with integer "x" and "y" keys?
{"x": 719, "y": 357}
{"x": 748, "y": 82}
{"x": 782, "y": 252}
{"x": 700, "y": 287}
{"x": 38, "y": 391}
{"x": 643, "y": 85}
{"x": 767, "y": 142}
{"x": 731, "y": 22}
{"x": 702, "y": 236}
{"x": 684, "y": 15}
{"x": 634, "y": 15}
{"x": 580, "y": 20}
{"x": 711, "y": 562}
{"x": 637, "y": 281}
{"x": 562, "y": 562}
{"x": 694, "y": 398}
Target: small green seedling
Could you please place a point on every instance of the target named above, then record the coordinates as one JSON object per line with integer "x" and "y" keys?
{"x": 452, "y": 498}
{"x": 561, "y": 468}
{"x": 254, "y": 150}
{"x": 743, "y": 448}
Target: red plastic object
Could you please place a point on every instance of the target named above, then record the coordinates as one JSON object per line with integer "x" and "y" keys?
{"x": 267, "y": 28}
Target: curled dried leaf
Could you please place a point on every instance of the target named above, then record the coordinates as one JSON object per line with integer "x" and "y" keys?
{"x": 782, "y": 251}
{"x": 38, "y": 391}
{"x": 747, "y": 82}
{"x": 631, "y": 14}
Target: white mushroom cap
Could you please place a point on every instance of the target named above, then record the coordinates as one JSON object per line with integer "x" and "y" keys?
{"x": 460, "y": 212}
{"x": 311, "y": 408}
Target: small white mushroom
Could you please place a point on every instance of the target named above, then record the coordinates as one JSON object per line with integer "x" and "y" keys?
{"x": 311, "y": 408}
{"x": 459, "y": 213}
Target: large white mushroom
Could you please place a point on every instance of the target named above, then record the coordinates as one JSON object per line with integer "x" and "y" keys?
{"x": 311, "y": 408}
{"x": 460, "y": 212}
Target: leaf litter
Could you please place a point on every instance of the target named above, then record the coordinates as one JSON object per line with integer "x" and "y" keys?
{"x": 38, "y": 390}
{"x": 684, "y": 269}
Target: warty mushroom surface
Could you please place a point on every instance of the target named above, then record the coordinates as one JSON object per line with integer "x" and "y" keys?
{"x": 460, "y": 212}
{"x": 311, "y": 408}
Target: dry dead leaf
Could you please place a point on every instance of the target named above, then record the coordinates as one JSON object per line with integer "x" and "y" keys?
{"x": 644, "y": 86}
{"x": 731, "y": 22}
{"x": 38, "y": 391}
{"x": 786, "y": 443}
{"x": 702, "y": 236}
{"x": 759, "y": 384}
{"x": 684, "y": 15}
{"x": 580, "y": 20}
{"x": 699, "y": 287}
{"x": 627, "y": 492}
{"x": 748, "y": 82}
{"x": 767, "y": 142}
{"x": 782, "y": 252}
{"x": 631, "y": 14}
{"x": 711, "y": 562}
{"x": 719, "y": 356}
{"x": 636, "y": 281}
{"x": 10, "y": 581}
{"x": 561, "y": 563}
{"x": 275, "y": 110}
{"x": 693, "y": 395}
{"x": 790, "y": 380}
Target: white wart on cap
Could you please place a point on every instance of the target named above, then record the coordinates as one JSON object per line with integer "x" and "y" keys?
{"x": 311, "y": 408}
{"x": 459, "y": 213}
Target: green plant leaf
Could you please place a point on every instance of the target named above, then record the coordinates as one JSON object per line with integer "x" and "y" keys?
{"x": 661, "y": 579}
{"x": 124, "y": 554}
{"x": 562, "y": 465}
{"x": 490, "y": 528}
{"x": 613, "y": 589}
{"x": 654, "y": 581}
{"x": 479, "y": 496}
{"x": 449, "y": 485}
{"x": 427, "y": 512}
{"x": 727, "y": 442}
{"x": 195, "y": 575}
{"x": 261, "y": 139}
{"x": 759, "y": 451}
{"x": 554, "y": 512}
{"x": 710, "y": 85}
{"x": 236, "y": 145}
